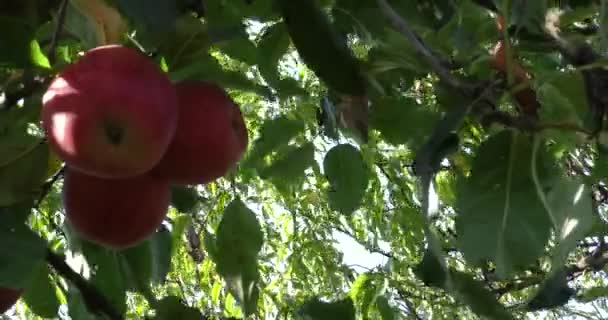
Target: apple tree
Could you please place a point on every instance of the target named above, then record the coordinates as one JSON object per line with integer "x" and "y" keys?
{"x": 303, "y": 159}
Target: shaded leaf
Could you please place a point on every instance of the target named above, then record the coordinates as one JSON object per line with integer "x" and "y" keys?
{"x": 272, "y": 47}
{"x": 170, "y": 308}
{"x": 500, "y": 217}
{"x": 152, "y": 17}
{"x": 402, "y": 121}
{"x": 77, "y": 307}
{"x": 321, "y": 47}
{"x": 107, "y": 276}
{"x": 319, "y": 310}
{"x": 386, "y": 311}
{"x": 16, "y": 46}
{"x": 189, "y": 40}
{"x": 208, "y": 68}
{"x": 21, "y": 178}
{"x": 563, "y": 99}
{"x": 348, "y": 176}
{"x": 22, "y": 252}
{"x": 41, "y": 295}
{"x": 238, "y": 242}
{"x": 149, "y": 262}
{"x": 430, "y": 271}
{"x": 184, "y": 199}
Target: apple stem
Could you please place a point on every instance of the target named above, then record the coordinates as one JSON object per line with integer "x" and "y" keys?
{"x": 114, "y": 133}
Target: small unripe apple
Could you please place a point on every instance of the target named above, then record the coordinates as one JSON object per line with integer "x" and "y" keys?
{"x": 211, "y": 135}
{"x": 116, "y": 213}
{"x": 111, "y": 114}
{"x": 8, "y": 298}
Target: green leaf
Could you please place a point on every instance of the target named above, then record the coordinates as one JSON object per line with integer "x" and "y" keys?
{"x": 321, "y": 47}
{"x": 467, "y": 29}
{"x": 184, "y": 199}
{"x": 348, "y": 175}
{"x": 22, "y": 176}
{"x": 37, "y": 56}
{"x": 77, "y": 307}
{"x": 152, "y": 17}
{"x": 386, "y": 311}
{"x": 238, "y": 242}
{"x": 527, "y": 14}
{"x": 108, "y": 275}
{"x": 272, "y": 47}
{"x": 81, "y": 27}
{"x": 365, "y": 290}
{"x": 41, "y": 295}
{"x": 402, "y": 121}
{"x": 288, "y": 169}
{"x": 170, "y": 308}
{"x": 430, "y": 271}
{"x": 147, "y": 263}
{"x": 22, "y": 252}
{"x": 189, "y": 40}
{"x": 593, "y": 293}
{"x": 209, "y": 69}
{"x": 570, "y": 201}
{"x": 180, "y": 223}
{"x": 273, "y": 134}
{"x": 209, "y": 243}
{"x": 500, "y": 217}
{"x": 16, "y": 45}
{"x": 563, "y": 99}
{"x": 221, "y": 16}
{"x": 319, "y": 310}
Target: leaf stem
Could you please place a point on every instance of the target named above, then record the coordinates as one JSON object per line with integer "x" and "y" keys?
{"x": 537, "y": 184}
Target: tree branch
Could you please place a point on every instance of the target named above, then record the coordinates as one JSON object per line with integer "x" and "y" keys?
{"x": 367, "y": 246}
{"x": 594, "y": 261}
{"x": 93, "y": 299}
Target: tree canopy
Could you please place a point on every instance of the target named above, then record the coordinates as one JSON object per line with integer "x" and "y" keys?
{"x": 460, "y": 140}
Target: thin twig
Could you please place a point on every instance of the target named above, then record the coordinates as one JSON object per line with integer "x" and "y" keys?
{"x": 404, "y": 28}
{"x": 48, "y": 185}
{"x": 60, "y": 22}
{"x": 94, "y": 300}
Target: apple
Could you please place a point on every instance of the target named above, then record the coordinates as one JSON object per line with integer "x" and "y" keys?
{"x": 8, "y": 298}
{"x": 111, "y": 114}
{"x": 211, "y": 135}
{"x": 115, "y": 213}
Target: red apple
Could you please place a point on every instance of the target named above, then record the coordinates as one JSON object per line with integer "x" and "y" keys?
{"x": 116, "y": 213}
{"x": 111, "y": 114}
{"x": 8, "y": 298}
{"x": 211, "y": 135}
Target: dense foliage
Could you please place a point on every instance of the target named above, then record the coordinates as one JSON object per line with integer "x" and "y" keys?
{"x": 462, "y": 141}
